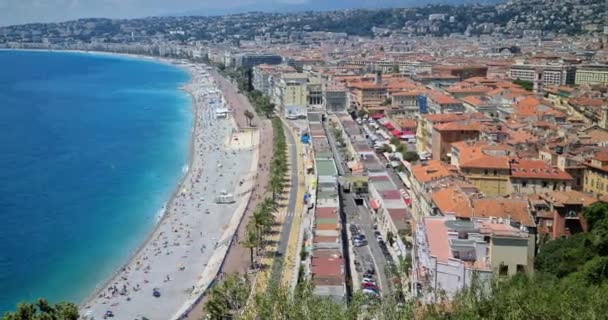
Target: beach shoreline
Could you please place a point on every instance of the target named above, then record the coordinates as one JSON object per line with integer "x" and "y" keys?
{"x": 220, "y": 252}
{"x": 182, "y": 286}
{"x": 166, "y": 207}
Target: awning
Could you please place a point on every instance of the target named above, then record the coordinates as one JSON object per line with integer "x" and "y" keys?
{"x": 374, "y": 204}
{"x": 377, "y": 116}
{"x": 396, "y": 133}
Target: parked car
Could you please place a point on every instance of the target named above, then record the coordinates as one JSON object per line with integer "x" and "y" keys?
{"x": 369, "y": 279}
{"x": 370, "y": 292}
{"x": 359, "y": 236}
{"x": 359, "y": 243}
{"x": 379, "y": 238}
{"x": 370, "y": 286}
{"x": 368, "y": 283}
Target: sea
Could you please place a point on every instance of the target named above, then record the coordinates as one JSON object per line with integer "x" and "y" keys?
{"x": 91, "y": 147}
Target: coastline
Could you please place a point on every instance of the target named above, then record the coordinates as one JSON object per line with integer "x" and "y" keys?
{"x": 206, "y": 269}
{"x": 166, "y": 206}
{"x": 219, "y": 254}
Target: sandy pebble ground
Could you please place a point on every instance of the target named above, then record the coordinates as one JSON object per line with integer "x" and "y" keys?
{"x": 173, "y": 258}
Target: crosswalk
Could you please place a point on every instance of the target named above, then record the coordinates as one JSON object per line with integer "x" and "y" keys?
{"x": 285, "y": 213}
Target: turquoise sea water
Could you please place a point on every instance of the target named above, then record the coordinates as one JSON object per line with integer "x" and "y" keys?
{"x": 91, "y": 148}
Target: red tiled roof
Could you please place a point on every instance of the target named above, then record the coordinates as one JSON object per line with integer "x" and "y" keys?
{"x": 537, "y": 169}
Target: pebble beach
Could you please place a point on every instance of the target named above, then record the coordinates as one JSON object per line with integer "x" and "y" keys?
{"x": 169, "y": 268}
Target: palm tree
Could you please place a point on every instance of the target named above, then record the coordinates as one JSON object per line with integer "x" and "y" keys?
{"x": 276, "y": 185}
{"x": 252, "y": 240}
{"x": 249, "y": 115}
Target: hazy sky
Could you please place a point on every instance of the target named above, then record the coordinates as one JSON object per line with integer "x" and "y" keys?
{"x": 25, "y": 11}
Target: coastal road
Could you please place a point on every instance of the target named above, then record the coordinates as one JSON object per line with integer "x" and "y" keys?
{"x": 277, "y": 266}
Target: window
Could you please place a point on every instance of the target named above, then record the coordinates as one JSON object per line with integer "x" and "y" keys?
{"x": 495, "y": 172}
{"x": 524, "y": 183}
{"x": 545, "y": 184}
{"x": 503, "y": 270}
{"x": 521, "y": 268}
{"x": 485, "y": 172}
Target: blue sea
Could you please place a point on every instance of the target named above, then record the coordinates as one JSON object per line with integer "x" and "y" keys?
{"x": 91, "y": 148}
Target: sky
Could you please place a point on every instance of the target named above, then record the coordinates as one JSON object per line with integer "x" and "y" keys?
{"x": 26, "y": 11}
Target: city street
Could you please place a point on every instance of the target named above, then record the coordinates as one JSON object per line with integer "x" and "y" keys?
{"x": 359, "y": 215}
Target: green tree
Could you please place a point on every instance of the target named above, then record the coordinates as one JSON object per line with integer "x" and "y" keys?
{"x": 228, "y": 298}
{"x": 410, "y": 156}
{"x": 42, "y": 310}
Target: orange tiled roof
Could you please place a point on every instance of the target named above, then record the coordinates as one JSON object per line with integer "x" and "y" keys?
{"x": 515, "y": 209}
{"x": 430, "y": 171}
{"x": 454, "y": 201}
{"x": 537, "y": 169}
{"x": 444, "y": 117}
{"x": 441, "y": 98}
{"x": 458, "y": 126}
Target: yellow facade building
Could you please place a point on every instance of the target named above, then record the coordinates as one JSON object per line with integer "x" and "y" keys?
{"x": 486, "y": 166}
{"x": 596, "y": 174}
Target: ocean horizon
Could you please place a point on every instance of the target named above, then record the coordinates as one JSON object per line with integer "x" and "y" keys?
{"x": 93, "y": 147}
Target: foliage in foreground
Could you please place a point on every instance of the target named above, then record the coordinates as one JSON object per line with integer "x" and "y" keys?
{"x": 522, "y": 297}
{"x": 42, "y": 310}
{"x": 582, "y": 258}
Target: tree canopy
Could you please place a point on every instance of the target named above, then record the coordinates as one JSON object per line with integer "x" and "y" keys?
{"x": 43, "y": 310}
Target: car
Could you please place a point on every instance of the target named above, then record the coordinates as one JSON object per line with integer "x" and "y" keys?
{"x": 371, "y": 271}
{"x": 377, "y": 233}
{"x": 363, "y": 283}
{"x": 370, "y": 292}
{"x": 370, "y": 286}
{"x": 359, "y": 236}
{"x": 379, "y": 238}
{"x": 359, "y": 243}
{"x": 108, "y": 314}
{"x": 368, "y": 279}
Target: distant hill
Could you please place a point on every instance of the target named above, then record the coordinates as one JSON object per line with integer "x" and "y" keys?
{"x": 327, "y": 5}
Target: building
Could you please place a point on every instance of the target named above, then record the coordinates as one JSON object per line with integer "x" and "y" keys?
{"x": 314, "y": 89}
{"x": 250, "y": 60}
{"x": 367, "y": 94}
{"x": 445, "y": 134}
{"x": 543, "y": 75}
{"x": 423, "y": 178}
{"x": 265, "y": 77}
{"x": 336, "y": 98}
{"x": 486, "y": 166}
{"x": 592, "y": 74}
{"x": 461, "y": 71}
{"x": 426, "y": 123}
{"x": 442, "y": 103}
{"x": 405, "y": 102}
{"x": 560, "y": 213}
{"x": 596, "y": 174}
{"x": 291, "y": 93}
{"x": 536, "y": 176}
{"x": 448, "y": 252}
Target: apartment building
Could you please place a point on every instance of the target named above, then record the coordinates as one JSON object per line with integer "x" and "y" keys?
{"x": 449, "y": 253}
{"x": 592, "y": 74}
{"x": 596, "y": 174}
{"x": 544, "y": 74}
